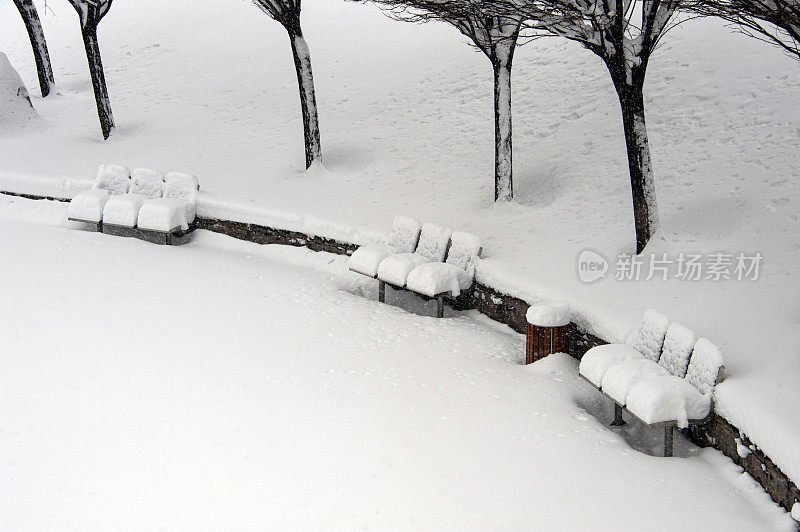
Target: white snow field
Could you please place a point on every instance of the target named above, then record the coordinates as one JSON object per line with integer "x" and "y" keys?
{"x": 406, "y": 118}
{"x": 225, "y": 385}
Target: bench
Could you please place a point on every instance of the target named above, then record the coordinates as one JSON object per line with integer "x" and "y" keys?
{"x": 144, "y": 204}
{"x": 430, "y": 260}
{"x": 673, "y": 388}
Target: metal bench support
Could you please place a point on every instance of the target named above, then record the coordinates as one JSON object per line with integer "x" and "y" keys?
{"x": 668, "y": 439}
{"x": 381, "y": 291}
{"x": 618, "y": 421}
{"x": 440, "y": 306}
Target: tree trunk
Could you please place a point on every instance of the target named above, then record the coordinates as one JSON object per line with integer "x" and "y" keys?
{"x": 503, "y": 171}
{"x": 36, "y": 34}
{"x": 308, "y": 102}
{"x": 645, "y": 207}
{"x": 98, "y": 80}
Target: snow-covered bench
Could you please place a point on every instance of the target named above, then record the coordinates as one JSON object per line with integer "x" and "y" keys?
{"x": 663, "y": 378}
{"x": 162, "y": 219}
{"x": 121, "y": 212}
{"x": 88, "y": 206}
{"x": 402, "y": 239}
{"x": 452, "y": 278}
{"x": 394, "y": 269}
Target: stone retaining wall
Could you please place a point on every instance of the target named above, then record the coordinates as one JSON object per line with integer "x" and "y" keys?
{"x": 505, "y": 308}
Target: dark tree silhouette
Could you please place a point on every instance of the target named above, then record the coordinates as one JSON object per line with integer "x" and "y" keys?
{"x": 287, "y": 13}
{"x": 38, "y": 43}
{"x": 91, "y": 12}
{"x": 776, "y": 22}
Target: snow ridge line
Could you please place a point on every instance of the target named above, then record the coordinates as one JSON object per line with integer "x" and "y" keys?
{"x": 510, "y": 310}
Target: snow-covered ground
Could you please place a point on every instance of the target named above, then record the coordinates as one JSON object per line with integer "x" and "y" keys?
{"x": 406, "y": 121}
{"x": 222, "y": 384}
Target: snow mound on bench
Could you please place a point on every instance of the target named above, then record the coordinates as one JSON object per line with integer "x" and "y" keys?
{"x": 464, "y": 250}
{"x": 113, "y": 177}
{"x": 623, "y": 376}
{"x": 123, "y": 209}
{"x": 705, "y": 366}
{"x": 649, "y": 337}
{"x": 366, "y": 259}
{"x": 149, "y": 183}
{"x": 404, "y": 235}
{"x": 88, "y": 206}
{"x": 163, "y": 215}
{"x": 548, "y": 315}
{"x": 15, "y": 103}
{"x": 667, "y": 398}
{"x": 597, "y": 360}
{"x": 186, "y": 193}
{"x": 396, "y": 268}
{"x": 678, "y": 345}
{"x": 433, "y": 242}
{"x": 436, "y": 278}
{"x": 188, "y": 181}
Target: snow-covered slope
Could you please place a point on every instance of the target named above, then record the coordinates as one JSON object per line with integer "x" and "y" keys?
{"x": 406, "y": 122}
{"x": 15, "y": 104}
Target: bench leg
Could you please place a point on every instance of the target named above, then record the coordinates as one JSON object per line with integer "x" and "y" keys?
{"x": 381, "y": 291}
{"x": 668, "y": 434}
{"x": 440, "y": 307}
{"x": 618, "y": 421}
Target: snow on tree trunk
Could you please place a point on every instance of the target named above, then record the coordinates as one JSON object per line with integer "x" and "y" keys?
{"x": 98, "y": 80}
{"x": 36, "y": 34}
{"x": 645, "y": 207}
{"x": 308, "y": 101}
{"x": 503, "y": 172}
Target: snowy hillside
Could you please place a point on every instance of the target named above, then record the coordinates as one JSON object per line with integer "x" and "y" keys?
{"x": 406, "y": 122}
{"x": 15, "y": 105}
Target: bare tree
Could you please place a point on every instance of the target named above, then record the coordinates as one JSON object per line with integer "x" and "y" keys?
{"x": 624, "y": 34}
{"x": 287, "y": 12}
{"x": 40, "y": 54}
{"x": 776, "y": 22}
{"x": 495, "y": 36}
{"x": 91, "y": 12}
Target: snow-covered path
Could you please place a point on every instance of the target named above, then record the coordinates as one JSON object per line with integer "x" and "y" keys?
{"x": 222, "y": 383}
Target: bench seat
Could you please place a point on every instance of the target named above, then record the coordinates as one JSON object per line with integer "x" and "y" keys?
{"x": 667, "y": 399}
{"x": 165, "y": 215}
{"x": 622, "y": 376}
{"x": 597, "y": 361}
{"x": 366, "y": 259}
{"x": 88, "y": 206}
{"x": 396, "y": 268}
{"x": 123, "y": 210}
{"x": 435, "y": 278}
